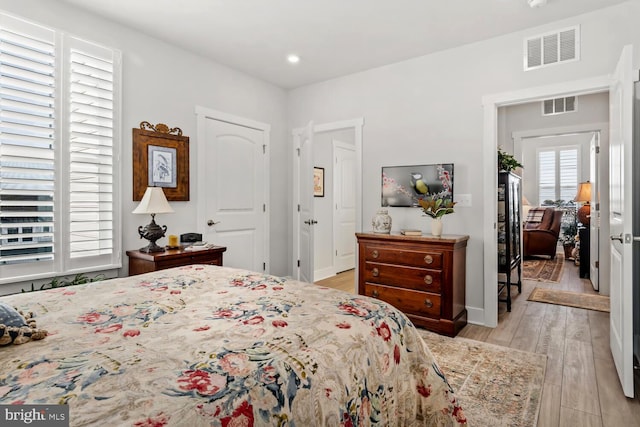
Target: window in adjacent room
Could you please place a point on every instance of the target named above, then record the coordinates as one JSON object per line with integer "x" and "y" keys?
{"x": 59, "y": 141}
{"x": 557, "y": 173}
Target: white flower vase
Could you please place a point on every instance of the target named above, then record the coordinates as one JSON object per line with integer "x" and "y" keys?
{"x": 436, "y": 227}
{"x": 381, "y": 222}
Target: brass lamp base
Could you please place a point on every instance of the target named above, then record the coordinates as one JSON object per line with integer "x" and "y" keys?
{"x": 152, "y": 232}
{"x": 584, "y": 214}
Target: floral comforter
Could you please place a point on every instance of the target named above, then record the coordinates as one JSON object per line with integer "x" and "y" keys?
{"x": 215, "y": 346}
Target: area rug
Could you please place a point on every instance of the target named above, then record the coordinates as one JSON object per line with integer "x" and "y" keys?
{"x": 496, "y": 386}
{"x": 571, "y": 299}
{"x": 543, "y": 270}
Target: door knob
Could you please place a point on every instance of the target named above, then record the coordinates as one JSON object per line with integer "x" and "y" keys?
{"x": 617, "y": 238}
{"x": 212, "y": 222}
{"x": 311, "y": 222}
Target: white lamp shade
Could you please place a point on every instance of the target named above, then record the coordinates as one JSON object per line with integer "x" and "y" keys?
{"x": 584, "y": 192}
{"x": 153, "y": 202}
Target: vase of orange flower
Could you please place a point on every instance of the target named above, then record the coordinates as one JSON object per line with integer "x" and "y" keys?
{"x": 436, "y": 207}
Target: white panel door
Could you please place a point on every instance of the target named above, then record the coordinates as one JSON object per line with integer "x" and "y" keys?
{"x": 305, "y": 211}
{"x": 234, "y": 192}
{"x": 344, "y": 218}
{"x": 594, "y": 223}
{"x": 620, "y": 211}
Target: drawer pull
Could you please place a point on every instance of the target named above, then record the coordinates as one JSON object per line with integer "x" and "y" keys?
{"x": 428, "y": 259}
{"x": 375, "y": 294}
{"x": 428, "y": 303}
{"x": 375, "y": 254}
{"x": 375, "y": 272}
{"x": 428, "y": 279}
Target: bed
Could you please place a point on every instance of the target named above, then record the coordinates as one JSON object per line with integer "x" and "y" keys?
{"x": 216, "y": 346}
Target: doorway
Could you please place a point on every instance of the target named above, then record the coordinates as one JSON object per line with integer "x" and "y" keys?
{"x": 314, "y": 147}
{"x": 588, "y": 139}
{"x": 491, "y": 104}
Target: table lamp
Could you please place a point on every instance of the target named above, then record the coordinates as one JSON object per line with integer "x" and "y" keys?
{"x": 584, "y": 196}
{"x": 153, "y": 202}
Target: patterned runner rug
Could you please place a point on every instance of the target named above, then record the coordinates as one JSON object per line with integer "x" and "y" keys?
{"x": 543, "y": 270}
{"x": 571, "y": 299}
{"x": 496, "y": 386}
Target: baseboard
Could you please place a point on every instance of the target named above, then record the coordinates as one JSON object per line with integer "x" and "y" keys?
{"x": 475, "y": 315}
{"x": 323, "y": 273}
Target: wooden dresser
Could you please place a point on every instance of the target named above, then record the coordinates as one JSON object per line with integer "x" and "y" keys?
{"x": 140, "y": 262}
{"x": 423, "y": 276}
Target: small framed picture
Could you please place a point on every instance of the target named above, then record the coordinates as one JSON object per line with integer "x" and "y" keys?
{"x": 318, "y": 182}
{"x": 162, "y": 166}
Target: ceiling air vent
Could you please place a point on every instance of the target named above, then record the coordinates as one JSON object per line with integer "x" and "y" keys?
{"x": 558, "y": 105}
{"x": 552, "y": 48}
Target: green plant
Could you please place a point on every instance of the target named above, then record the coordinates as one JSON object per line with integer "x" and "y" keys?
{"x": 436, "y": 207}
{"x": 507, "y": 162}
{"x": 57, "y": 282}
{"x": 569, "y": 226}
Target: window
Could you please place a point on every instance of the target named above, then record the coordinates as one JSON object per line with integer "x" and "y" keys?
{"x": 557, "y": 174}
{"x": 59, "y": 141}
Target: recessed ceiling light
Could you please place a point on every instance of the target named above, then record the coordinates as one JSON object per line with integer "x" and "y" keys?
{"x": 537, "y": 3}
{"x": 293, "y": 59}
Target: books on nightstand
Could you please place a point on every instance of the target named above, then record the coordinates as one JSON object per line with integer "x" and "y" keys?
{"x": 410, "y": 232}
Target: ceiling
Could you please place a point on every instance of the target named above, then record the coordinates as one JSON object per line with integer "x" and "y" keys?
{"x": 332, "y": 37}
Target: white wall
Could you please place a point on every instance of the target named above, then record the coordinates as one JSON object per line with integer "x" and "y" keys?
{"x": 429, "y": 110}
{"x": 593, "y": 108}
{"x": 164, "y": 84}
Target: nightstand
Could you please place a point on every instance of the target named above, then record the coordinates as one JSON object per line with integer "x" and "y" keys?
{"x": 141, "y": 262}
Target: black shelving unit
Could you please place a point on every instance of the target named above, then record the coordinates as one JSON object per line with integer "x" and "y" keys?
{"x": 584, "y": 234}
{"x": 509, "y": 231}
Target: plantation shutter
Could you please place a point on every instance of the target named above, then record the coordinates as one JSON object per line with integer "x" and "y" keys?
{"x": 90, "y": 150}
{"x": 557, "y": 174}
{"x": 59, "y": 145}
{"x": 568, "y": 174}
{"x": 546, "y": 176}
{"x": 27, "y": 143}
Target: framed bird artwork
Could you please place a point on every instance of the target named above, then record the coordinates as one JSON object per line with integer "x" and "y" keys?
{"x": 406, "y": 185}
{"x": 160, "y": 159}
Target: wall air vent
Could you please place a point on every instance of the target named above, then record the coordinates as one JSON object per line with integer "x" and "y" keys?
{"x": 552, "y": 48}
{"x": 559, "y": 105}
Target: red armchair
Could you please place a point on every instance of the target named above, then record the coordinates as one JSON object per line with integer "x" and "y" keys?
{"x": 541, "y": 232}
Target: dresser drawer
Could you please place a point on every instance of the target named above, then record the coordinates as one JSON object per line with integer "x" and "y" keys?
{"x": 143, "y": 262}
{"x": 406, "y": 300}
{"x": 419, "y": 279}
{"x": 215, "y": 259}
{"x": 417, "y": 258}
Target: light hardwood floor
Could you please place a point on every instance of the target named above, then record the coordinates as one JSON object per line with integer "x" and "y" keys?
{"x": 581, "y": 385}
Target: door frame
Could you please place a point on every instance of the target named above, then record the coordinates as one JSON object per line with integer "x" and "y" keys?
{"x": 203, "y": 113}
{"x": 355, "y": 124}
{"x": 491, "y": 103}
